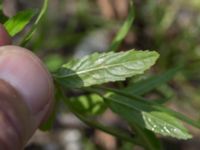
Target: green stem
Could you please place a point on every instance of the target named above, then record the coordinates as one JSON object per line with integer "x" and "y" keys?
{"x": 124, "y": 94}
{"x": 142, "y": 137}
{"x": 115, "y": 132}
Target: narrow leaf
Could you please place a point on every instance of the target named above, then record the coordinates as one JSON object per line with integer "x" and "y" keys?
{"x": 37, "y": 21}
{"x": 151, "y": 83}
{"x": 106, "y": 67}
{"x": 123, "y": 30}
{"x": 17, "y": 23}
{"x": 155, "y": 106}
{"x": 136, "y": 112}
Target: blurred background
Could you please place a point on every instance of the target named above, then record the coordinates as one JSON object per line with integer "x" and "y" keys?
{"x": 74, "y": 28}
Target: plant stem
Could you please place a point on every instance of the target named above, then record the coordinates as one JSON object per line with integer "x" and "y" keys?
{"x": 143, "y": 138}
{"x": 115, "y": 132}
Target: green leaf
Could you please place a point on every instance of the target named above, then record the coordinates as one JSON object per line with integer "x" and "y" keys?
{"x": 17, "y": 23}
{"x": 155, "y": 106}
{"x": 144, "y": 86}
{"x": 91, "y": 104}
{"x": 123, "y": 30}
{"x": 144, "y": 115}
{"x": 180, "y": 116}
{"x": 35, "y": 25}
{"x": 106, "y": 67}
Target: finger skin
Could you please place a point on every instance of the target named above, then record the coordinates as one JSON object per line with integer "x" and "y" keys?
{"x": 23, "y": 74}
{"x": 13, "y": 128}
{"x": 5, "y": 38}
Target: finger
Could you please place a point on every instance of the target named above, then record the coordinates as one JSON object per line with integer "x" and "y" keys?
{"x": 23, "y": 72}
{"x": 5, "y": 38}
{"x": 14, "y": 118}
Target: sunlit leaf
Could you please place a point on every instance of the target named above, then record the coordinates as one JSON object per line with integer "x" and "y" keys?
{"x": 17, "y": 23}
{"x": 106, "y": 67}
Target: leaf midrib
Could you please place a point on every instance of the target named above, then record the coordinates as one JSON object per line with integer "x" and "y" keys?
{"x": 99, "y": 68}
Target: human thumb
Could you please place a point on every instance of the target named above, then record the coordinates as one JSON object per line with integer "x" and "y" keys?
{"x": 26, "y": 96}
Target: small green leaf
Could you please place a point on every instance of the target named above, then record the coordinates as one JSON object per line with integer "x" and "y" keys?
{"x": 144, "y": 115}
{"x": 17, "y": 23}
{"x": 106, "y": 67}
{"x": 91, "y": 104}
{"x": 41, "y": 14}
{"x": 149, "y": 84}
{"x": 123, "y": 30}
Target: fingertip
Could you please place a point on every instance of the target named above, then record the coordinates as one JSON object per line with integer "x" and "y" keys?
{"x": 15, "y": 129}
{"x": 24, "y": 71}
